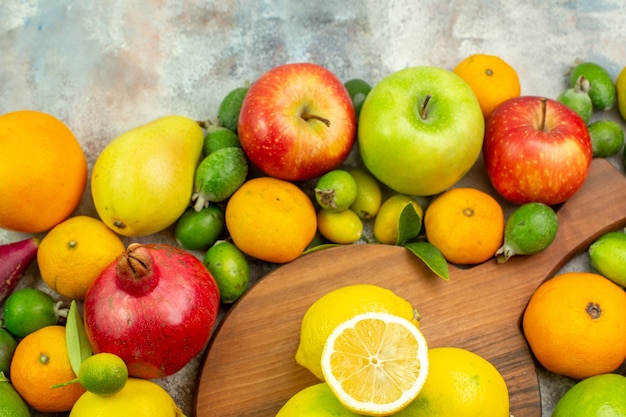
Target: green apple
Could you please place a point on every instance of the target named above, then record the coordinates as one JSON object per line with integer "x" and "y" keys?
{"x": 420, "y": 130}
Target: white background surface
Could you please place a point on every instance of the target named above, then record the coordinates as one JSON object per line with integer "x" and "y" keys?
{"x": 104, "y": 67}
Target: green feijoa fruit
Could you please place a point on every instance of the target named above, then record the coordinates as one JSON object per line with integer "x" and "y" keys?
{"x": 229, "y": 108}
{"x": 531, "y": 228}
{"x": 336, "y": 190}
{"x": 602, "y": 91}
{"x": 11, "y": 403}
{"x": 577, "y": 98}
{"x": 369, "y": 195}
{"x": 28, "y": 310}
{"x": 343, "y": 227}
{"x": 7, "y": 348}
{"x": 607, "y": 138}
{"x": 200, "y": 229}
{"x": 230, "y": 269}
{"x": 218, "y": 176}
{"x": 358, "y": 90}
{"x": 218, "y": 137}
{"x": 607, "y": 255}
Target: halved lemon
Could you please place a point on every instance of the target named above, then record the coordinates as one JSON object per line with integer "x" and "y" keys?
{"x": 375, "y": 363}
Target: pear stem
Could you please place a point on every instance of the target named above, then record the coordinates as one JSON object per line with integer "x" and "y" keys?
{"x": 422, "y": 109}
{"x": 308, "y": 116}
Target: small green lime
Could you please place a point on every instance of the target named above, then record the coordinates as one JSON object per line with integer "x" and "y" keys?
{"x": 103, "y": 374}
{"x": 200, "y": 229}
{"x": 218, "y": 137}
{"x": 602, "y": 91}
{"x": 11, "y": 404}
{"x": 358, "y": 90}
{"x": 601, "y": 395}
{"x": 7, "y": 348}
{"x": 219, "y": 175}
{"x": 314, "y": 401}
{"x": 29, "y": 309}
{"x": 607, "y": 138}
{"x": 343, "y": 227}
{"x": 229, "y": 108}
{"x": 336, "y": 190}
{"x": 368, "y": 194}
{"x": 577, "y": 98}
{"x": 230, "y": 269}
{"x": 531, "y": 228}
{"x": 607, "y": 255}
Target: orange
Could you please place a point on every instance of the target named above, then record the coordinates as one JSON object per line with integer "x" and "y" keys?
{"x": 465, "y": 224}
{"x": 40, "y": 361}
{"x": 491, "y": 78}
{"x": 271, "y": 219}
{"x": 574, "y": 324}
{"x": 43, "y": 170}
{"x": 74, "y": 253}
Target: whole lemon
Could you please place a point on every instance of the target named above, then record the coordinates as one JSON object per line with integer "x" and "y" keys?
{"x": 460, "y": 383}
{"x": 337, "y": 306}
{"x": 139, "y": 397}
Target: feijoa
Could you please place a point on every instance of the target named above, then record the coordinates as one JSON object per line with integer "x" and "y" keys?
{"x": 602, "y": 91}
{"x": 531, "y": 228}
{"x": 230, "y": 269}
{"x": 218, "y": 176}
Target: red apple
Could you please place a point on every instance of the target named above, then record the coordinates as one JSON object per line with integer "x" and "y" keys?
{"x": 297, "y": 122}
{"x": 536, "y": 149}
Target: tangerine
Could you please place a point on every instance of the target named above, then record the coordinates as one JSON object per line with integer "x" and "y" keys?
{"x": 574, "y": 324}
{"x": 74, "y": 253}
{"x": 43, "y": 170}
{"x": 465, "y": 224}
{"x": 39, "y": 362}
{"x": 491, "y": 78}
{"x": 271, "y": 219}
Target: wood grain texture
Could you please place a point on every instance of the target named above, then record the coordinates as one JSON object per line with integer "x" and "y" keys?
{"x": 250, "y": 370}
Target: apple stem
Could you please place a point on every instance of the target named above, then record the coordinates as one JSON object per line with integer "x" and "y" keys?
{"x": 423, "y": 106}
{"x": 307, "y": 117}
{"x": 544, "y": 105}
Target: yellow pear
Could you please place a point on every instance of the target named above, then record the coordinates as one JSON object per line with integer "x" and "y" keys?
{"x": 142, "y": 181}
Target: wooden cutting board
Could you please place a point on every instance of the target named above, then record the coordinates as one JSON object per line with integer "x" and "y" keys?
{"x": 249, "y": 369}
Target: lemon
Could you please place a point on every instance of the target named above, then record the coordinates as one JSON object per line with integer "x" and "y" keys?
{"x": 531, "y": 228}
{"x": 608, "y": 256}
{"x": 368, "y": 194}
{"x": 337, "y": 306}
{"x": 218, "y": 176}
{"x": 596, "y": 396}
{"x": 230, "y": 268}
{"x": 375, "y": 363}
{"x": 387, "y": 221}
{"x": 336, "y": 190}
{"x": 577, "y": 98}
{"x": 219, "y": 137}
{"x": 607, "y": 138}
{"x": 343, "y": 227}
{"x": 139, "y": 397}
{"x": 620, "y": 86}
{"x": 11, "y": 404}
{"x": 103, "y": 374}
{"x": 314, "y": 401}
{"x": 460, "y": 383}
{"x": 602, "y": 91}
{"x": 230, "y": 107}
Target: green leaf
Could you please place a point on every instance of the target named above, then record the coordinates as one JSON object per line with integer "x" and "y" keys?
{"x": 78, "y": 347}
{"x": 409, "y": 225}
{"x": 431, "y": 256}
{"x": 319, "y": 247}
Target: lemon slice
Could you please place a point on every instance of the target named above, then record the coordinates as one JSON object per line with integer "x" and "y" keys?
{"x": 375, "y": 363}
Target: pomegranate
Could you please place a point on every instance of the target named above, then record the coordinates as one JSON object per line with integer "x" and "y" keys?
{"x": 155, "y": 307}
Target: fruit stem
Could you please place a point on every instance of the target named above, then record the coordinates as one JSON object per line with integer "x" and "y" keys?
{"x": 544, "y": 105}
{"x": 308, "y": 116}
{"x": 422, "y": 109}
